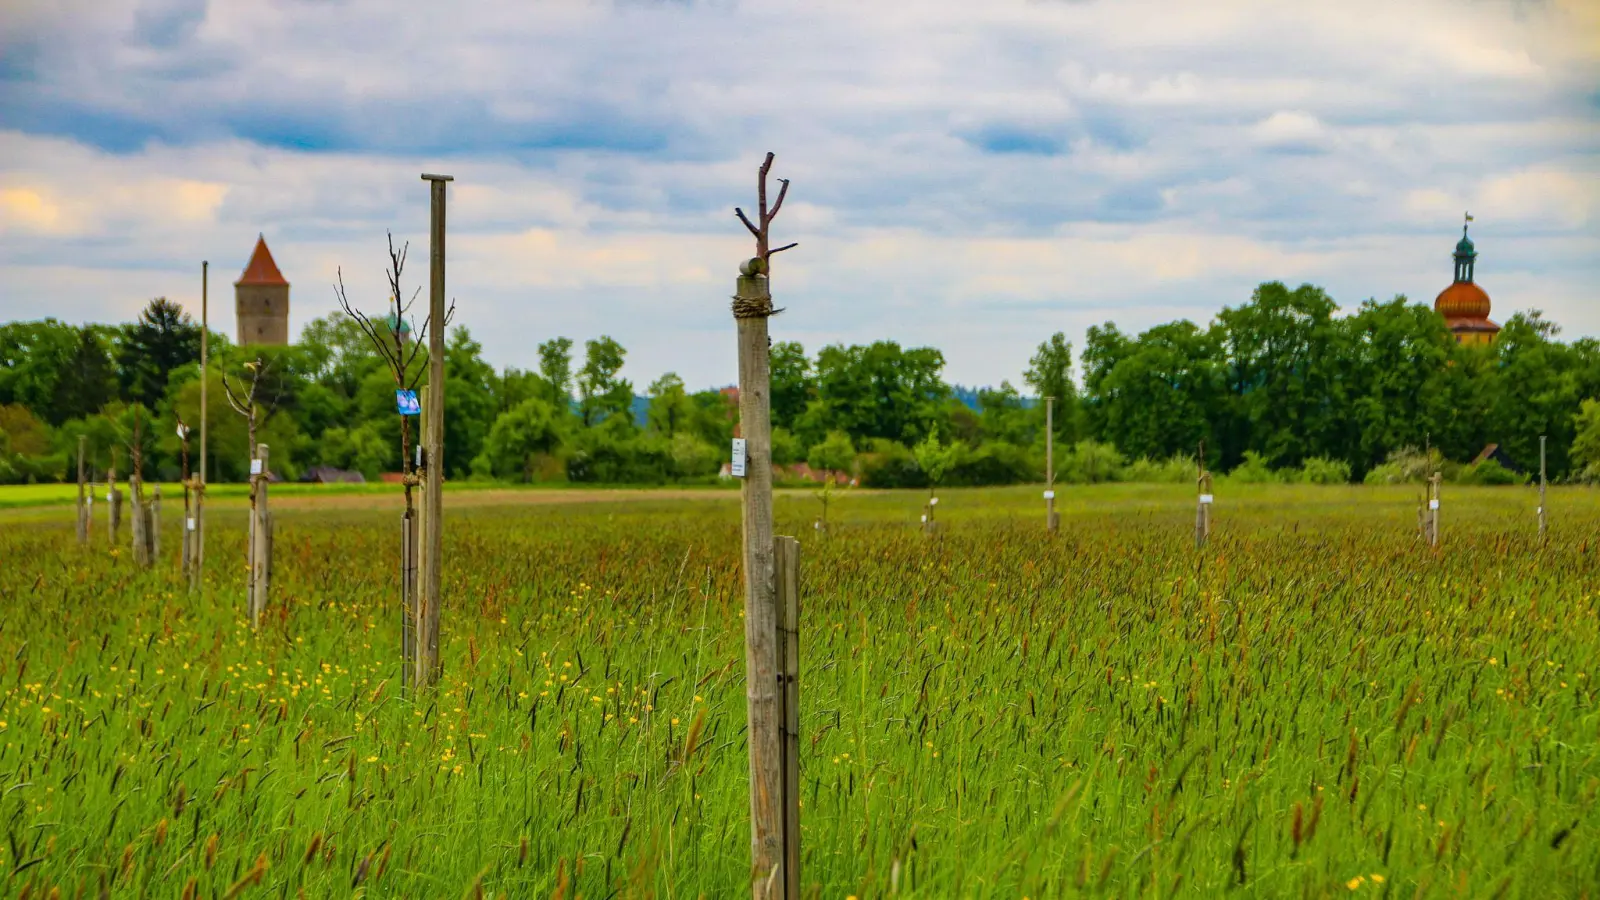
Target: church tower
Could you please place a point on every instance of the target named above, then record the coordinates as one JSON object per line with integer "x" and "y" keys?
{"x": 1463, "y": 304}
{"x": 261, "y": 299}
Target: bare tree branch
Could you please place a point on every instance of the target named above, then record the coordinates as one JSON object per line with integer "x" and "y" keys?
{"x": 753, "y": 229}
{"x": 789, "y": 246}
{"x": 782, "y": 192}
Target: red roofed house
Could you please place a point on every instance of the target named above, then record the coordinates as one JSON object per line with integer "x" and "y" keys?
{"x": 261, "y": 299}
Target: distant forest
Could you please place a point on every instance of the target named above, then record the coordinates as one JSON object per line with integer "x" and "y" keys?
{"x": 1277, "y": 388}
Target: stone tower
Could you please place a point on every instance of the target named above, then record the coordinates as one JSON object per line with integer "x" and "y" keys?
{"x": 261, "y": 298}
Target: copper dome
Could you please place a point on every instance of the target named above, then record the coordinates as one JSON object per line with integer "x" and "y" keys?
{"x": 1462, "y": 300}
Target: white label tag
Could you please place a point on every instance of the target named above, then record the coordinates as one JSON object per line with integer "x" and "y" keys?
{"x": 1049, "y": 495}
{"x": 924, "y": 518}
{"x": 255, "y": 467}
{"x": 1433, "y": 504}
{"x": 1205, "y": 498}
{"x": 738, "y": 457}
{"x": 182, "y": 432}
{"x": 419, "y": 457}
{"x": 934, "y": 501}
{"x": 191, "y": 524}
{"x": 1539, "y": 511}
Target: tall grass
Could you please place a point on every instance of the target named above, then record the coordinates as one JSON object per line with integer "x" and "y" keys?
{"x": 1316, "y": 705}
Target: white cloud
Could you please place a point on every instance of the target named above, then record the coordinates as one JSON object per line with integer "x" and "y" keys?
{"x": 974, "y": 176}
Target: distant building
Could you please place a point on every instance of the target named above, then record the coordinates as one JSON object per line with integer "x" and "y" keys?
{"x": 1463, "y": 304}
{"x": 261, "y": 300}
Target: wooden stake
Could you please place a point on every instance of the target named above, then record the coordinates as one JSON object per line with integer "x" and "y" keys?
{"x": 83, "y": 506}
{"x": 195, "y": 580}
{"x": 260, "y": 542}
{"x": 1542, "y": 514}
{"x": 429, "y": 576}
{"x": 1202, "y": 516}
{"x": 760, "y": 613}
{"x": 154, "y": 528}
{"x": 786, "y": 559}
{"x": 1051, "y": 520}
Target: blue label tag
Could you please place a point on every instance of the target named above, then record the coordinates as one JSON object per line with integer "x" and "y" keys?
{"x": 406, "y": 402}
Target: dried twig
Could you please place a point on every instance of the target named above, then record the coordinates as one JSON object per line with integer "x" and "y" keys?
{"x": 764, "y": 215}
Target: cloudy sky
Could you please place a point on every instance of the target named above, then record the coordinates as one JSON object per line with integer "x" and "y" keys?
{"x": 970, "y": 175}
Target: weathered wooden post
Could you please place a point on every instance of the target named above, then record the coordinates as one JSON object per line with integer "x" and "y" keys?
{"x": 197, "y": 524}
{"x": 429, "y": 580}
{"x": 1202, "y": 516}
{"x": 774, "y": 844}
{"x": 1435, "y": 481}
{"x": 83, "y": 495}
{"x": 1052, "y": 520}
{"x": 260, "y": 537}
{"x": 186, "y": 553}
{"x": 418, "y": 559}
{"x": 141, "y": 522}
{"x": 1542, "y": 513}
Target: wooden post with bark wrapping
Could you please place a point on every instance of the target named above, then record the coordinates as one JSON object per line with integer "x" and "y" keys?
{"x": 429, "y": 578}
{"x": 83, "y": 506}
{"x": 260, "y": 537}
{"x": 772, "y": 844}
{"x": 1052, "y": 519}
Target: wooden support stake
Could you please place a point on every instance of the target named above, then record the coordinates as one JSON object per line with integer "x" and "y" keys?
{"x": 786, "y": 559}
{"x": 429, "y": 577}
{"x": 195, "y": 580}
{"x": 141, "y": 522}
{"x": 752, "y": 305}
{"x": 1542, "y": 514}
{"x": 260, "y": 541}
{"x": 1202, "y": 516}
{"x": 83, "y": 506}
{"x": 1052, "y": 521}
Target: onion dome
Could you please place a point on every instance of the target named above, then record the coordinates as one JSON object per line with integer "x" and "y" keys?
{"x": 1464, "y": 305}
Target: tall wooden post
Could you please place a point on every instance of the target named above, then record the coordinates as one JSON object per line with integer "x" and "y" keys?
{"x": 1052, "y": 521}
{"x": 260, "y": 539}
{"x": 1434, "y": 483}
{"x": 1202, "y": 516}
{"x": 141, "y": 521}
{"x": 83, "y": 507}
{"x": 786, "y": 560}
{"x": 1542, "y": 514}
{"x": 752, "y": 304}
{"x": 420, "y": 530}
{"x": 198, "y": 523}
{"x": 429, "y": 580}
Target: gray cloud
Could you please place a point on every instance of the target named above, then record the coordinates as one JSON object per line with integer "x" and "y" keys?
{"x": 972, "y": 176}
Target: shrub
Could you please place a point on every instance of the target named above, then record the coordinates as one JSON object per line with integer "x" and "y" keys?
{"x": 993, "y": 463}
{"x": 1405, "y": 466}
{"x": 1488, "y": 472}
{"x": 1254, "y": 470}
{"x": 1322, "y": 470}
{"x": 1179, "y": 469}
{"x": 890, "y": 465}
{"x": 1091, "y": 462}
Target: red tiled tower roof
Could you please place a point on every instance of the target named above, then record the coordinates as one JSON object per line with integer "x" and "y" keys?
{"x": 261, "y": 270}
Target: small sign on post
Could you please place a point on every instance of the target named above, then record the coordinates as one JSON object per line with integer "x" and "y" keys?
{"x": 255, "y": 467}
{"x": 738, "y": 457}
{"x": 406, "y": 403}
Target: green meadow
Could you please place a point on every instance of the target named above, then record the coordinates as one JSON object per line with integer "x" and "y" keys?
{"x": 1313, "y": 705}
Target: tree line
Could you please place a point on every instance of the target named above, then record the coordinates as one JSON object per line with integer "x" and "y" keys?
{"x": 1279, "y": 387}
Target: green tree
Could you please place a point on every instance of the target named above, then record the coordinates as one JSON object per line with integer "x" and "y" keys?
{"x": 163, "y": 338}
{"x": 878, "y": 391}
{"x": 671, "y": 410}
{"x": 601, "y": 393}
{"x": 1586, "y": 440}
{"x": 792, "y": 384}
{"x": 555, "y": 367}
{"x": 1050, "y": 375}
{"x": 835, "y": 454}
{"x": 519, "y": 437}
{"x": 1162, "y": 393}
